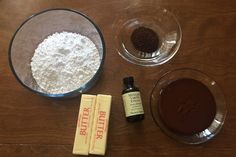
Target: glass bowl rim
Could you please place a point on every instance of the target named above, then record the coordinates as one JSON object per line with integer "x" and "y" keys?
{"x": 62, "y": 94}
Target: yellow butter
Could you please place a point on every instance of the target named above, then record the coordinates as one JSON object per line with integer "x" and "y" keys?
{"x": 84, "y": 124}
{"x": 100, "y": 125}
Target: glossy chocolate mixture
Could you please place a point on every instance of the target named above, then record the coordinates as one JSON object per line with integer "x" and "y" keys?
{"x": 187, "y": 106}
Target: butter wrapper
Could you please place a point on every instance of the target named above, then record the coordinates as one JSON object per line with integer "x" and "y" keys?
{"x": 100, "y": 125}
{"x": 84, "y": 125}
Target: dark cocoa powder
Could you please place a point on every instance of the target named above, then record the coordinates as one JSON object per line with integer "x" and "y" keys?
{"x": 145, "y": 39}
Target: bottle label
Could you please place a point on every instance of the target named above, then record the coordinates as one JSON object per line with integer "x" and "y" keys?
{"x": 132, "y": 104}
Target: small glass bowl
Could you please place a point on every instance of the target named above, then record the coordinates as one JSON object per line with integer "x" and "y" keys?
{"x": 160, "y": 20}
{"x": 221, "y": 110}
{"x": 39, "y": 26}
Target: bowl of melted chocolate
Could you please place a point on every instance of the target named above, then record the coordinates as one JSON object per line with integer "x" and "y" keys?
{"x": 188, "y": 106}
{"x": 146, "y": 35}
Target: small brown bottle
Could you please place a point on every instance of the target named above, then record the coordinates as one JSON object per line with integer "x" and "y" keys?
{"x": 132, "y": 101}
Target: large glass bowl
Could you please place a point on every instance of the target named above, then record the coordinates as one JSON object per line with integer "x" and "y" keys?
{"x": 160, "y": 20}
{"x": 221, "y": 110}
{"x": 35, "y": 29}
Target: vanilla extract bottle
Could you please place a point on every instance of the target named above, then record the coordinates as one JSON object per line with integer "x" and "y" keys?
{"x": 132, "y": 101}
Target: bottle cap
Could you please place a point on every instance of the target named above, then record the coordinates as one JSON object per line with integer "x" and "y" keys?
{"x": 128, "y": 80}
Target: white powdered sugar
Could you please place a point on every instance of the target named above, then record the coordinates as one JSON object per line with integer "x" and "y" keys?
{"x": 64, "y": 61}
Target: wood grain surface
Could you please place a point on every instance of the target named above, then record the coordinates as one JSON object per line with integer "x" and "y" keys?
{"x": 35, "y": 126}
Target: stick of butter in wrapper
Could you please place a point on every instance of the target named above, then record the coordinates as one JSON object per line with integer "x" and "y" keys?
{"x": 84, "y": 124}
{"x": 100, "y": 125}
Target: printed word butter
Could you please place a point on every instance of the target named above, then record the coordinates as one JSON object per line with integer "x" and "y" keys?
{"x": 100, "y": 125}
{"x": 84, "y": 125}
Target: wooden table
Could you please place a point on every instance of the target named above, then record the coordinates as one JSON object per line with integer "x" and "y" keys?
{"x": 35, "y": 126}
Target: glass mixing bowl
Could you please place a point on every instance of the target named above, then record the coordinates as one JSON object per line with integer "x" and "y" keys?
{"x": 159, "y": 20}
{"x": 35, "y": 29}
{"x": 215, "y": 90}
